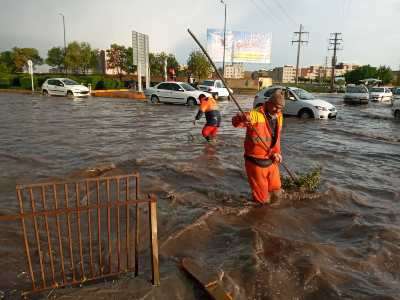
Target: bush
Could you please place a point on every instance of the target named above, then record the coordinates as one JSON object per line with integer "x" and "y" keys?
{"x": 26, "y": 82}
{"x": 5, "y": 82}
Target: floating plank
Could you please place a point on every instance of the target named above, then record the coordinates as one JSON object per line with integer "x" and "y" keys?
{"x": 208, "y": 279}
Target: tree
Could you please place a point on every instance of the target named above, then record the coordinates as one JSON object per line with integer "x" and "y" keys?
{"x": 361, "y": 73}
{"x": 199, "y": 65}
{"x": 94, "y": 59}
{"x": 86, "y": 57}
{"x": 129, "y": 67}
{"x": 79, "y": 58}
{"x": 73, "y": 57}
{"x": 117, "y": 59}
{"x": 7, "y": 62}
{"x": 385, "y": 74}
{"x": 157, "y": 62}
{"x": 22, "y": 55}
{"x": 55, "y": 57}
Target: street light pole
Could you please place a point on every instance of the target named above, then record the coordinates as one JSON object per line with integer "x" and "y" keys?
{"x": 223, "y": 59}
{"x": 65, "y": 43}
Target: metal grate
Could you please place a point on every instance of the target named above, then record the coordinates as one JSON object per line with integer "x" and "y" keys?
{"x": 85, "y": 230}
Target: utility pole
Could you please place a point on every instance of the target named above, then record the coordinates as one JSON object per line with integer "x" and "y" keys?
{"x": 223, "y": 59}
{"x": 334, "y": 42}
{"x": 65, "y": 42}
{"x": 299, "y": 42}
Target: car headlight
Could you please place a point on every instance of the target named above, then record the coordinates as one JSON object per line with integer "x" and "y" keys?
{"x": 321, "y": 108}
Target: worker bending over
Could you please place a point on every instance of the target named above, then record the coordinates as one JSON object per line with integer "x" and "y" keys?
{"x": 209, "y": 107}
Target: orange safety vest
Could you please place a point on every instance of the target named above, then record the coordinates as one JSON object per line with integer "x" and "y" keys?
{"x": 208, "y": 104}
{"x": 253, "y": 145}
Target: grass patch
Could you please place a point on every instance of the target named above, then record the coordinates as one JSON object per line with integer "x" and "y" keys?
{"x": 305, "y": 181}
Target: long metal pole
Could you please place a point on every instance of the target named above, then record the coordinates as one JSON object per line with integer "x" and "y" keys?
{"x": 65, "y": 41}
{"x": 223, "y": 60}
{"x": 291, "y": 174}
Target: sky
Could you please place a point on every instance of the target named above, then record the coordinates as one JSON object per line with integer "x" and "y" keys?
{"x": 370, "y": 28}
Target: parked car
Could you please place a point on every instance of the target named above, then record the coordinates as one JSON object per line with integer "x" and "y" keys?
{"x": 299, "y": 103}
{"x": 396, "y": 94}
{"x": 356, "y": 94}
{"x": 380, "y": 94}
{"x": 396, "y": 109}
{"x": 64, "y": 87}
{"x": 214, "y": 87}
{"x": 174, "y": 92}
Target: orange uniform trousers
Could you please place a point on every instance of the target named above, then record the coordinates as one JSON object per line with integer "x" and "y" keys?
{"x": 262, "y": 180}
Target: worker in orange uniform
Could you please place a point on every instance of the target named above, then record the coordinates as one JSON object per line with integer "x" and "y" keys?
{"x": 209, "y": 107}
{"x": 262, "y": 159}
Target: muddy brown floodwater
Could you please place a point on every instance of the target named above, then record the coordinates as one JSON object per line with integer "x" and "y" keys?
{"x": 343, "y": 243}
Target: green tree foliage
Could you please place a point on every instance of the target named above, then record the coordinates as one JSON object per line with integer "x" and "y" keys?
{"x": 7, "y": 62}
{"x": 157, "y": 62}
{"x": 129, "y": 67}
{"x": 94, "y": 59}
{"x": 361, "y": 73}
{"x": 385, "y": 74}
{"x": 78, "y": 58}
{"x": 55, "y": 57}
{"x": 20, "y": 57}
{"x": 199, "y": 65}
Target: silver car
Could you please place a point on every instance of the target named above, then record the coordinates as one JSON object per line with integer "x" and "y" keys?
{"x": 174, "y": 92}
{"x": 356, "y": 94}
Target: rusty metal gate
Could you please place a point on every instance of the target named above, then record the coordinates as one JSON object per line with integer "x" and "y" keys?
{"x": 84, "y": 230}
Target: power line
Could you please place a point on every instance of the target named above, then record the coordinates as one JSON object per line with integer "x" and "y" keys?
{"x": 287, "y": 15}
{"x": 267, "y": 9}
{"x": 335, "y": 41}
{"x": 299, "y": 43}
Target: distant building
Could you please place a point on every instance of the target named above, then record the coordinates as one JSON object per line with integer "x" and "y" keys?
{"x": 234, "y": 71}
{"x": 285, "y": 74}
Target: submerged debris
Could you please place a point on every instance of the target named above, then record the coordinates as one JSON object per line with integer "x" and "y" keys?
{"x": 306, "y": 182}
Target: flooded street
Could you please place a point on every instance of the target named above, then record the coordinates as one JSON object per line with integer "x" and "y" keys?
{"x": 342, "y": 244}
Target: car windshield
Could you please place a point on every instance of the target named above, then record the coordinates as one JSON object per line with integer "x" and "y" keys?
{"x": 397, "y": 91}
{"x": 356, "y": 89}
{"x": 187, "y": 87}
{"x": 302, "y": 94}
{"x": 70, "y": 82}
{"x": 377, "y": 90}
{"x": 208, "y": 83}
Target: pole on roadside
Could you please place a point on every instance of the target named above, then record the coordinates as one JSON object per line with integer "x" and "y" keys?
{"x": 30, "y": 69}
{"x": 299, "y": 43}
{"x": 223, "y": 59}
{"x": 65, "y": 41}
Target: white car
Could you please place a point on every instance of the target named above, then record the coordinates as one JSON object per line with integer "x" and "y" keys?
{"x": 356, "y": 94}
{"x": 174, "y": 92}
{"x": 64, "y": 87}
{"x": 215, "y": 87}
{"x": 396, "y": 109}
{"x": 380, "y": 94}
{"x": 299, "y": 103}
{"x": 396, "y": 94}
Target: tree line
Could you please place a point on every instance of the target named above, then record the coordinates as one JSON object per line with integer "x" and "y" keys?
{"x": 81, "y": 58}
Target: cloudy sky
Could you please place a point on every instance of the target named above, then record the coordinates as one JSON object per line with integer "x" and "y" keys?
{"x": 370, "y": 27}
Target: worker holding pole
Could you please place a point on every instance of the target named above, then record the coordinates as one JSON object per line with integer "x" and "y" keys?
{"x": 263, "y": 128}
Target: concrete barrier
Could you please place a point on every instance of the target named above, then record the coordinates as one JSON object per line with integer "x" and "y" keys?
{"x": 122, "y": 93}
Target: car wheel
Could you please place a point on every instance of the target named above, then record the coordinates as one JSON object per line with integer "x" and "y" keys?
{"x": 154, "y": 99}
{"x": 306, "y": 114}
{"x": 229, "y": 98}
{"x": 191, "y": 102}
{"x": 397, "y": 115}
{"x": 45, "y": 93}
{"x": 70, "y": 94}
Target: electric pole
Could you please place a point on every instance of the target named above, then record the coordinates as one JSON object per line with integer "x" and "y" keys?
{"x": 299, "y": 34}
{"x": 335, "y": 42}
{"x": 223, "y": 59}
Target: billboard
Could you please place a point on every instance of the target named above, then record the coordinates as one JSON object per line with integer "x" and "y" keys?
{"x": 244, "y": 47}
